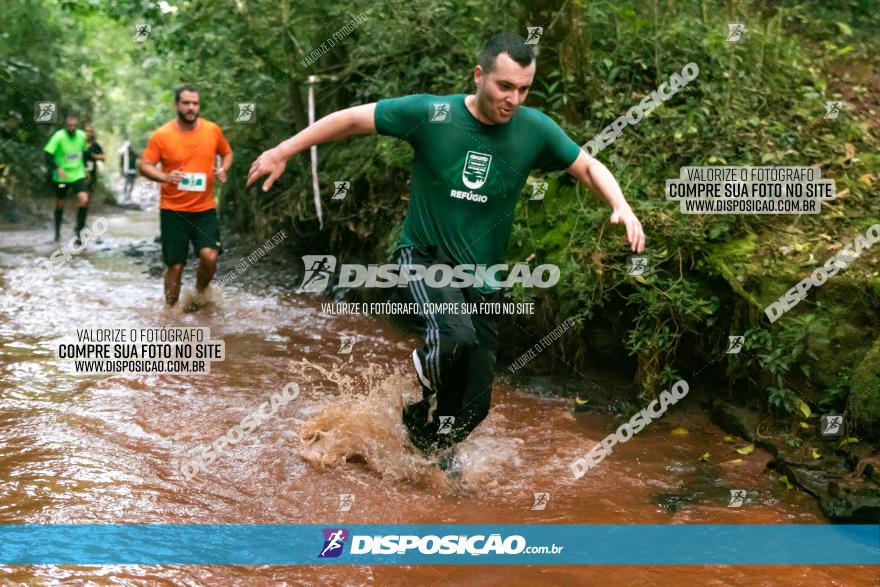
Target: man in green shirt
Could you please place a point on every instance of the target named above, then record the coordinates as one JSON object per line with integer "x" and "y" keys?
{"x": 67, "y": 172}
{"x": 472, "y": 156}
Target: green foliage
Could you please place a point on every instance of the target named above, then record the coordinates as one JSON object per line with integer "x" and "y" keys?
{"x": 779, "y": 360}
{"x": 793, "y": 440}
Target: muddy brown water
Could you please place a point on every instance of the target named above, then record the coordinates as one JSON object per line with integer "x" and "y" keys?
{"x": 108, "y": 449}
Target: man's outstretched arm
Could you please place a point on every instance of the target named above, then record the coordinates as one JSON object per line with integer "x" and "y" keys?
{"x": 357, "y": 120}
{"x": 593, "y": 174}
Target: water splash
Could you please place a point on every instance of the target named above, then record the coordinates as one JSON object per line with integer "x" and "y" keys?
{"x": 363, "y": 424}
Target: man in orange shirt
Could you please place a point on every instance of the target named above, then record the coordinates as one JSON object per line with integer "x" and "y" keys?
{"x": 186, "y": 148}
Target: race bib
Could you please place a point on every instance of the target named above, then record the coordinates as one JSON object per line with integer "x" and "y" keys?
{"x": 73, "y": 156}
{"x": 193, "y": 182}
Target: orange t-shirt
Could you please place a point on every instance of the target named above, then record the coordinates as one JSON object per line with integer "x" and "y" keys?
{"x": 192, "y": 152}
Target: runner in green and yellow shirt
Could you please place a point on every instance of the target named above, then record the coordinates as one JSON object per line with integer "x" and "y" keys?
{"x": 67, "y": 172}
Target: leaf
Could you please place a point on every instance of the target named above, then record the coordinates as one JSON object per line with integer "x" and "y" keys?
{"x": 734, "y": 462}
{"x": 728, "y": 439}
{"x": 850, "y": 151}
{"x": 784, "y": 480}
{"x": 640, "y": 279}
{"x": 746, "y": 450}
{"x": 845, "y": 29}
{"x": 804, "y": 408}
{"x": 805, "y": 426}
{"x": 816, "y": 454}
{"x": 679, "y": 431}
{"x": 705, "y": 457}
{"x": 849, "y": 440}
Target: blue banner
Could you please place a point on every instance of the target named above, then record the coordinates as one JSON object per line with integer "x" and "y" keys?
{"x": 259, "y": 544}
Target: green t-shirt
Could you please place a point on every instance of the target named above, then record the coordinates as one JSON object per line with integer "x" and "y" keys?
{"x": 68, "y": 153}
{"x": 467, "y": 176}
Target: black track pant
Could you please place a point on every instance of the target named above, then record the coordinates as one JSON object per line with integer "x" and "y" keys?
{"x": 455, "y": 364}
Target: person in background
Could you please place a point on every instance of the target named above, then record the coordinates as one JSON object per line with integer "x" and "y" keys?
{"x": 128, "y": 167}
{"x": 93, "y": 153}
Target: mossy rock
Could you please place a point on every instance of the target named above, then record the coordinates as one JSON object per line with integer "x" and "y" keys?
{"x": 864, "y": 397}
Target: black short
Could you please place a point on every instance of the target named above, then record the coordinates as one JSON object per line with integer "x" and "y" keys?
{"x": 74, "y": 187}
{"x": 181, "y": 228}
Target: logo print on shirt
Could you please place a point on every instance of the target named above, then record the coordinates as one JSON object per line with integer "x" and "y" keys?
{"x": 476, "y": 169}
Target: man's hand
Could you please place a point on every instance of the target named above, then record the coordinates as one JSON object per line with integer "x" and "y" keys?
{"x": 61, "y": 174}
{"x": 635, "y": 236}
{"x": 271, "y": 162}
{"x": 220, "y": 175}
{"x": 173, "y": 177}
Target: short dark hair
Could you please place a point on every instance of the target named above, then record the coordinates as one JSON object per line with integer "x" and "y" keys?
{"x": 510, "y": 43}
{"x": 182, "y": 89}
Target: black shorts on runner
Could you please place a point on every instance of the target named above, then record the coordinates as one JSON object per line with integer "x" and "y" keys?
{"x": 74, "y": 187}
{"x": 181, "y": 228}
